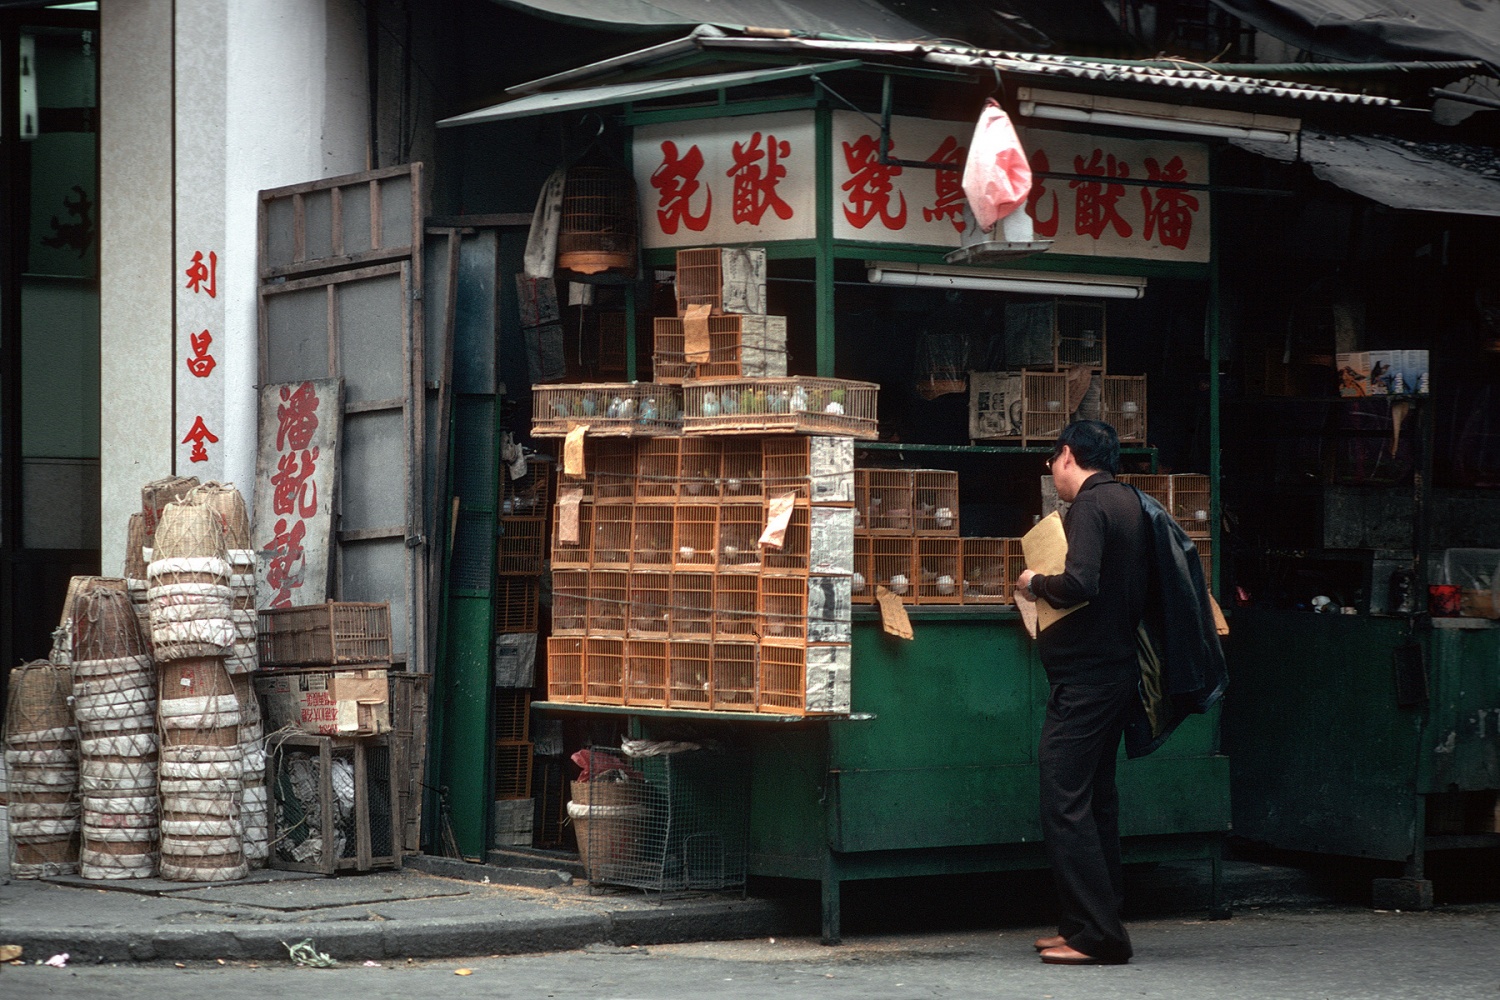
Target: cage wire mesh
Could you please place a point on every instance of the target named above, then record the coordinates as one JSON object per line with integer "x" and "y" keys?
{"x": 679, "y": 823}
{"x": 316, "y": 797}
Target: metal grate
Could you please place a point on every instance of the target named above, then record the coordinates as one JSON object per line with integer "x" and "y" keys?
{"x": 335, "y": 805}
{"x": 473, "y": 549}
{"x": 683, "y": 827}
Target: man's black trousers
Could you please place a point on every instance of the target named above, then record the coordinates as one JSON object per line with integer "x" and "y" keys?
{"x": 1081, "y": 811}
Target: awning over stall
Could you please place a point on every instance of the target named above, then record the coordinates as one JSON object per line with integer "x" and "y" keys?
{"x": 1415, "y": 176}
{"x": 1357, "y": 30}
{"x": 849, "y": 18}
{"x": 640, "y": 90}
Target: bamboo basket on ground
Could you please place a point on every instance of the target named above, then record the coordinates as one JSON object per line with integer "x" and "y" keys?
{"x": 202, "y": 772}
{"x": 41, "y": 761}
{"x": 136, "y": 539}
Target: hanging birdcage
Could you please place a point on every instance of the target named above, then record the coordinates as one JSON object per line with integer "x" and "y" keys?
{"x": 598, "y": 229}
{"x": 942, "y": 363}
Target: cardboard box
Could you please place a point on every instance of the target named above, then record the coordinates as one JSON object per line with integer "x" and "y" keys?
{"x": 327, "y": 701}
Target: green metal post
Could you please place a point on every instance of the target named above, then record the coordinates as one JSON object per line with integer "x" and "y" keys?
{"x": 823, "y": 260}
{"x": 630, "y": 332}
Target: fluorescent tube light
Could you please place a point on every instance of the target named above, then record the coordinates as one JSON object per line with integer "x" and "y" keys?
{"x": 1178, "y": 125}
{"x": 1022, "y": 283}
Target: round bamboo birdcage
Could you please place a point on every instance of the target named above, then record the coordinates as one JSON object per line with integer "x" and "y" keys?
{"x": 599, "y": 230}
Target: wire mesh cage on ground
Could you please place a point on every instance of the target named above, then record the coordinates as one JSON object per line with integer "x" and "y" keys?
{"x": 522, "y": 545}
{"x": 803, "y": 405}
{"x": 530, "y": 495}
{"x": 684, "y": 826}
{"x": 517, "y": 600}
{"x": 1124, "y": 406}
{"x": 512, "y": 769}
{"x": 609, "y": 409}
{"x": 325, "y": 634}
{"x": 939, "y": 570}
{"x": 335, "y": 804}
{"x": 934, "y": 502}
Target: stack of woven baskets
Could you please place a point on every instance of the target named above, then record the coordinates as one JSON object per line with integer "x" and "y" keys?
{"x": 114, "y": 704}
{"x": 202, "y": 765}
{"x": 136, "y": 543}
{"x": 41, "y": 760}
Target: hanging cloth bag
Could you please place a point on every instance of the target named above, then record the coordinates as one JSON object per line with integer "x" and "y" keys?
{"x": 997, "y": 177}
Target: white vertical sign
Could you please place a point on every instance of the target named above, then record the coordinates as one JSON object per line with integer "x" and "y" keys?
{"x": 198, "y": 267}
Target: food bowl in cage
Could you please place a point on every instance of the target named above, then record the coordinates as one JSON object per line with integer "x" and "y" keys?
{"x": 780, "y": 405}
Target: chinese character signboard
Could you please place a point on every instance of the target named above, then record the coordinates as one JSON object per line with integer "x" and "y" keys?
{"x": 727, "y": 180}
{"x": 752, "y": 179}
{"x": 295, "y": 472}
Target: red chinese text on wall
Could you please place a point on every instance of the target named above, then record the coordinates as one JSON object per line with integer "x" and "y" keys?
{"x": 1096, "y": 208}
{"x": 202, "y": 363}
{"x": 676, "y": 182}
{"x": 293, "y": 491}
{"x": 203, "y": 277}
{"x": 199, "y": 436}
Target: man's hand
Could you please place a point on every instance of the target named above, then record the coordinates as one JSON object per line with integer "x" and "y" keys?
{"x": 1023, "y": 582}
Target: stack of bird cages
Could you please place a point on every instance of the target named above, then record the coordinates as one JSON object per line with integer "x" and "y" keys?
{"x": 522, "y": 545}
{"x": 336, "y": 804}
{"x": 726, "y": 279}
{"x": 683, "y": 826}
{"x": 1192, "y": 496}
{"x": 939, "y": 564}
{"x": 513, "y": 748}
{"x": 990, "y": 567}
{"x": 1055, "y": 333}
{"x": 608, "y": 409}
{"x": 671, "y": 362}
{"x": 334, "y": 633}
{"x": 780, "y": 405}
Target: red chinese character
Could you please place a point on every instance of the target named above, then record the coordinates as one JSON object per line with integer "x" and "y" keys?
{"x": 676, "y": 181}
{"x": 1044, "y": 228}
{"x": 1170, "y": 211}
{"x": 948, "y": 185}
{"x": 1096, "y": 202}
{"x": 287, "y": 563}
{"x": 293, "y": 489}
{"x": 197, "y": 436}
{"x": 201, "y": 363}
{"x": 870, "y": 187}
{"x": 754, "y": 185}
{"x": 296, "y": 417}
{"x": 199, "y": 272}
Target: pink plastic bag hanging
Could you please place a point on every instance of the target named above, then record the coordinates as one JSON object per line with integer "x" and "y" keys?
{"x": 997, "y": 177}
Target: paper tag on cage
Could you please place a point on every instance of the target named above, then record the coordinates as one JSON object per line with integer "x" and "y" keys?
{"x": 778, "y": 516}
{"x": 567, "y": 516}
{"x": 695, "y": 333}
{"x": 573, "y": 463}
{"x": 893, "y": 617}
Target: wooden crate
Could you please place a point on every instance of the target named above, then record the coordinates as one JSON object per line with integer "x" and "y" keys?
{"x": 570, "y": 601}
{"x": 1123, "y": 406}
{"x": 304, "y": 830}
{"x": 740, "y": 527}
{"x": 736, "y": 606}
{"x": 652, "y": 538}
{"x": 934, "y": 502}
{"x": 646, "y": 673}
{"x": 609, "y": 601}
{"x": 565, "y": 656}
{"x": 939, "y": 571}
{"x": 692, "y": 605}
{"x": 609, "y": 409}
{"x": 990, "y": 568}
{"x": 604, "y": 671}
{"x": 512, "y": 769}
{"x": 734, "y": 681}
{"x": 657, "y": 469}
{"x": 690, "y": 674}
{"x": 781, "y": 405}
{"x": 517, "y": 603}
{"x": 782, "y": 610}
{"x": 696, "y": 537}
{"x": 1192, "y": 493}
{"x": 512, "y": 714}
{"x": 522, "y": 546}
{"x": 337, "y": 632}
{"x": 612, "y": 536}
{"x": 650, "y": 605}
{"x": 576, "y": 554}
{"x": 727, "y": 279}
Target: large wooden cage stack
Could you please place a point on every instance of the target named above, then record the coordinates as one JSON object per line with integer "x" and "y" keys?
{"x": 723, "y": 288}
{"x": 665, "y": 596}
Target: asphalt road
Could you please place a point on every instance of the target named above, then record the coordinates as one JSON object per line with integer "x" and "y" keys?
{"x": 1336, "y": 953}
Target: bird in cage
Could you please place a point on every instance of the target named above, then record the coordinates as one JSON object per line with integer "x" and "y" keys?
{"x": 710, "y": 403}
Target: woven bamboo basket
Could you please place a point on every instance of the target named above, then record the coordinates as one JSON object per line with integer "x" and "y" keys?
{"x": 226, "y": 501}
{"x": 190, "y": 598}
{"x": 41, "y": 760}
{"x": 105, "y": 625}
{"x": 156, "y": 494}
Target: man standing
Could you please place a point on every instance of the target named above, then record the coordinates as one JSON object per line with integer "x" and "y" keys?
{"x": 1090, "y": 659}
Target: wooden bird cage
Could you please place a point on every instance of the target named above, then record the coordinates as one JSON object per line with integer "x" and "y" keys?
{"x": 598, "y": 230}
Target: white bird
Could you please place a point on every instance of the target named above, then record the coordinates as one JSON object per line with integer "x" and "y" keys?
{"x": 857, "y": 584}
{"x": 944, "y": 517}
{"x": 835, "y": 408}
{"x": 710, "y": 404}
{"x": 799, "y": 400}
{"x": 627, "y": 410}
{"x": 732, "y": 485}
{"x": 686, "y": 553}
{"x": 945, "y": 584}
{"x": 613, "y": 413}
{"x": 899, "y": 584}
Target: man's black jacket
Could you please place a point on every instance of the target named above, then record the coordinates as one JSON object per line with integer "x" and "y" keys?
{"x": 1182, "y": 664}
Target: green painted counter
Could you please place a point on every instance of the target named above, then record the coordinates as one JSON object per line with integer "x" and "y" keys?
{"x": 942, "y": 778}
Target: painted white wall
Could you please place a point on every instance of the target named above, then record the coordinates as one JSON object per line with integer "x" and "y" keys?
{"x": 262, "y": 95}
{"x": 135, "y": 247}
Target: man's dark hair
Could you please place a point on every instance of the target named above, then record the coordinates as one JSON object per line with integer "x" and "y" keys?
{"x": 1095, "y": 445}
